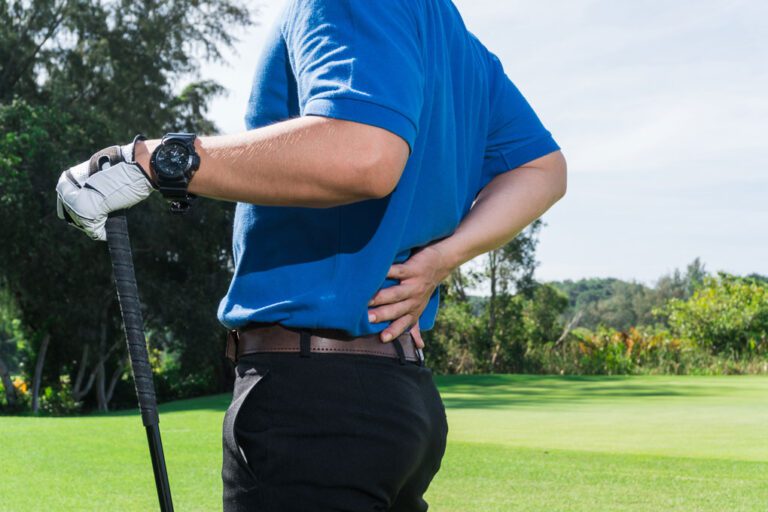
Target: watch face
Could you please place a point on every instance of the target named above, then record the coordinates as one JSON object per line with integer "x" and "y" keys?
{"x": 172, "y": 160}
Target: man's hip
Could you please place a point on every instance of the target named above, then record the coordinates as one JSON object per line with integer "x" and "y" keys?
{"x": 332, "y": 431}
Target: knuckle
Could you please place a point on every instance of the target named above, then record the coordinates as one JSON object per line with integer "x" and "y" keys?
{"x": 385, "y": 313}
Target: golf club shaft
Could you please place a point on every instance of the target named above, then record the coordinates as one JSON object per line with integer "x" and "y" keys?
{"x": 158, "y": 466}
{"x": 128, "y": 295}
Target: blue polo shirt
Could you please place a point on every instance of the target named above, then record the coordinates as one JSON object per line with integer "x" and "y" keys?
{"x": 407, "y": 66}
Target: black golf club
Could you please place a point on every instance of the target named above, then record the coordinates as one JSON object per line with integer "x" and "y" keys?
{"x": 130, "y": 308}
{"x": 128, "y": 296}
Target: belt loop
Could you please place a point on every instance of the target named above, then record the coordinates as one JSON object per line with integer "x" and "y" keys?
{"x": 399, "y": 350}
{"x": 305, "y": 339}
{"x": 231, "y": 348}
{"x": 419, "y": 355}
{"x": 419, "y": 352}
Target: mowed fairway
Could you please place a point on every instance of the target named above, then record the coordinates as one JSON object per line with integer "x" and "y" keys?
{"x": 516, "y": 443}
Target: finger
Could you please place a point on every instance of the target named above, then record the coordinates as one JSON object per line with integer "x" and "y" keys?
{"x": 66, "y": 190}
{"x": 401, "y": 271}
{"x": 416, "y": 333}
{"x": 96, "y": 229}
{"x": 79, "y": 173}
{"x": 60, "y": 208}
{"x": 392, "y": 294}
{"x": 396, "y": 328}
{"x": 71, "y": 217}
{"x": 100, "y": 234}
{"x": 391, "y": 311}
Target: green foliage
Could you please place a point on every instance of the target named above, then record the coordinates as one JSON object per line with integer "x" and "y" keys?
{"x": 727, "y": 314}
{"x": 571, "y": 327}
{"x": 611, "y": 352}
{"x": 462, "y": 342}
{"x": 619, "y": 304}
{"x": 642, "y": 350}
{"x": 173, "y": 382}
{"x": 542, "y": 314}
{"x": 76, "y": 76}
{"x": 58, "y": 401}
{"x": 449, "y": 344}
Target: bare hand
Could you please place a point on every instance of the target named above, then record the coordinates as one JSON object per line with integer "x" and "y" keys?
{"x": 404, "y": 302}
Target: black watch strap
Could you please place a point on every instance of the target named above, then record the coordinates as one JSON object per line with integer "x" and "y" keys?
{"x": 178, "y": 198}
{"x": 187, "y": 137}
{"x": 175, "y": 190}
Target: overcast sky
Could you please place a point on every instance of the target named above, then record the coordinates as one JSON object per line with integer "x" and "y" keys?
{"x": 661, "y": 107}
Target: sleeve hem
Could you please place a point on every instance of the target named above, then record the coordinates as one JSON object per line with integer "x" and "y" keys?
{"x": 360, "y": 111}
{"x": 509, "y": 160}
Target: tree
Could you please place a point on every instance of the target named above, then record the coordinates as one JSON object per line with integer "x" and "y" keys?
{"x": 75, "y": 76}
{"x": 680, "y": 285}
{"x": 606, "y": 301}
{"x": 10, "y": 335}
{"x": 542, "y": 314}
{"x": 449, "y": 345}
{"x": 509, "y": 270}
{"x": 620, "y": 305}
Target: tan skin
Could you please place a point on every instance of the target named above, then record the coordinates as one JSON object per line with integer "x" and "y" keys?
{"x": 508, "y": 204}
{"x": 320, "y": 162}
{"x": 308, "y": 161}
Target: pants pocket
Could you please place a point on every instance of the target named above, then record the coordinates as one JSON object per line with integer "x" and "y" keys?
{"x": 246, "y": 386}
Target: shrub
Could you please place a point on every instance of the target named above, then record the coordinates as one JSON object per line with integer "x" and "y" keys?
{"x": 611, "y": 352}
{"x": 59, "y": 401}
{"x": 448, "y": 347}
{"x": 727, "y": 314}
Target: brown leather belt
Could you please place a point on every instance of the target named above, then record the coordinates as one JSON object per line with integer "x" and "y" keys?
{"x": 276, "y": 338}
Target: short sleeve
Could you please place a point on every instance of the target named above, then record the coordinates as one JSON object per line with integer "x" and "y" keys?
{"x": 515, "y": 134}
{"x": 358, "y": 61}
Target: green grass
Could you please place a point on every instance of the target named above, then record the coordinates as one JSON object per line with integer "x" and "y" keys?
{"x": 516, "y": 443}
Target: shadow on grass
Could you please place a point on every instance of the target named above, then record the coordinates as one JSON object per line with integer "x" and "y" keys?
{"x": 499, "y": 390}
{"x": 513, "y": 390}
{"x": 213, "y": 403}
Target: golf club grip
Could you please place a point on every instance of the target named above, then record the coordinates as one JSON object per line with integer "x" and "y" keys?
{"x": 128, "y": 295}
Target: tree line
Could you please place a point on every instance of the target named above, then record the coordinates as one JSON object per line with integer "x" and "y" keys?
{"x": 689, "y": 321}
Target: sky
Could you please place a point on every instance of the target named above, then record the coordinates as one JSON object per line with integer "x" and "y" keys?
{"x": 660, "y": 106}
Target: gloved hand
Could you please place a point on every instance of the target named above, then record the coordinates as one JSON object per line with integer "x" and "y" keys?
{"x": 111, "y": 180}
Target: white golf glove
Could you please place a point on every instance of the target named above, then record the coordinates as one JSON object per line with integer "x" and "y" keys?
{"x": 111, "y": 180}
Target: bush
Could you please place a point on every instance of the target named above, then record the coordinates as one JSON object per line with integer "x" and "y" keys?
{"x": 612, "y": 352}
{"x": 59, "y": 401}
{"x": 643, "y": 350}
{"x": 727, "y": 314}
{"x": 172, "y": 382}
{"x": 448, "y": 346}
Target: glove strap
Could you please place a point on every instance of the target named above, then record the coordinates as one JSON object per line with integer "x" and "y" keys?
{"x": 111, "y": 155}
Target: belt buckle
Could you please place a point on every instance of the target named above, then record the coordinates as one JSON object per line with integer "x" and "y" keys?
{"x": 232, "y": 342}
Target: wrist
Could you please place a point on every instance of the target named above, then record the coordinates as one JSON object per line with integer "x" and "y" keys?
{"x": 451, "y": 256}
{"x": 142, "y": 153}
{"x": 446, "y": 261}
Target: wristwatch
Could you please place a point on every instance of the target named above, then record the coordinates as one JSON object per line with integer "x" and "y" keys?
{"x": 174, "y": 162}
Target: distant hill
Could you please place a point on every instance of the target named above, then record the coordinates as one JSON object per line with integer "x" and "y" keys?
{"x": 608, "y": 301}
{"x": 622, "y": 304}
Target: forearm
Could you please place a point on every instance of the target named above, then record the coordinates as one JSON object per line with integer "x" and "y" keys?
{"x": 504, "y": 208}
{"x": 307, "y": 161}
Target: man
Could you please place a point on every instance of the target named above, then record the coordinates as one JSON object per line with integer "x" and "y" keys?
{"x": 373, "y": 127}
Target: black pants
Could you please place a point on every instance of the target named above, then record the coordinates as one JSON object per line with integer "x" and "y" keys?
{"x": 331, "y": 432}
